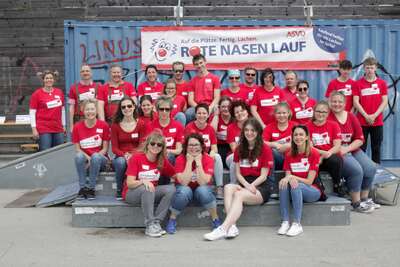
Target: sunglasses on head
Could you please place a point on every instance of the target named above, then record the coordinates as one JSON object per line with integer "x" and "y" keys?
{"x": 251, "y": 74}
{"x": 234, "y": 78}
{"x": 127, "y": 106}
{"x": 302, "y": 89}
{"x": 156, "y": 144}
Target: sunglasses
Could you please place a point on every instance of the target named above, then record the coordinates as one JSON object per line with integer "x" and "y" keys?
{"x": 156, "y": 144}
{"x": 178, "y": 71}
{"x": 251, "y": 74}
{"x": 164, "y": 109}
{"x": 127, "y": 106}
{"x": 302, "y": 89}
{"x": 234, "y": 78}
{"x": 321, "y": 111}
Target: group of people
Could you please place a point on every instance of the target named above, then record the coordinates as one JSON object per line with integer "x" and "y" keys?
{"x": 170, "y": 142}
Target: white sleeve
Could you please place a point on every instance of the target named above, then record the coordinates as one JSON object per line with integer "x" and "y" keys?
{"x": 32, "y": 114}
{"x": 63, "y": 117}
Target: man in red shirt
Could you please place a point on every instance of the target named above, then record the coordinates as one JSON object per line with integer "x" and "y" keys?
{"x": 289, "y": 91}
{"x": 205, "y": 87}
{"x": 370, "y": 100}
{"x": 178, "y": 69}
{"x": 250, "y": 81}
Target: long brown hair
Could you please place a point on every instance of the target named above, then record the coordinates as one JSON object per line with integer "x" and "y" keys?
{"x": 294, "y": 150}
{"x": 243, "y": 148}
{"x": 119, "y": 115}
{"x": 156, "y": 136}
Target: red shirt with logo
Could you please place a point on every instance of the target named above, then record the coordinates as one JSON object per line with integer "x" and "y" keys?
{"x": 144, "y": 169}
{"x": 273, "y": 134}
{"x": 370, "y": 94}
{"x": 347, "y": 88}
{"x": 233, "y": 133}
{"x": 249, "y": 89}
{"x": 90, "y": 91}
{"x": 204, "y": 87}
{"x": 178, "y": 104}
{"x": 208, "y": 167}
{"x": 264, "y": 160}
{"x": 90, "y": 140}
{"x": 48, "y": 108}
{"x": 350, "y": 129}
{"x": 323, "y": 136}
{"x": 173, "y": 132}
{"x": 152, "y": 90}
{"x": 242, "y": 94}
{"x": 112, "y": 95}
{"x": 265, "y": 102}
{"x": 207, "y": 133}
{"x": 288, "y": 96}
{"x": 302, "y": 113}
{"x": 123, "y": 142}
{"x": 221, "y": 130}
{"x": 182, "y": 90}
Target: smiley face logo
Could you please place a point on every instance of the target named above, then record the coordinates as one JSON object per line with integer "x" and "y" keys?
{"x": 162, "y": 49}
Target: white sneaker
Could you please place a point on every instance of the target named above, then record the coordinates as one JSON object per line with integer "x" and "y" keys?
{"x": 232, "y": 232}
{"x": 370, "y": 202}
{"x": 216, "y": 234}
{"x": 295, "y": 230}
{"x": 284, "y": 228}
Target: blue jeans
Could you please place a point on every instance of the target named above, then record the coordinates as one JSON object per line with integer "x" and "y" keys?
{"x": 119, "y": 165}
{"x": 358, "y": 171}
{"x": 97, "y": 161}
{"x": 278, "y": 159}
{"x": 190, "y": 114}
{"x": 171, "y": 158}
{"x": 180, "y": 117}
{"x": 232, "y": 169}
{"x": 49, "y": 140}
{"x": 303, "y": 192}
{"x": 218, "y": 170}
{"x": 203, "y": 195}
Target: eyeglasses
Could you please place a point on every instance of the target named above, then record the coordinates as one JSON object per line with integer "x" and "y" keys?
{"x": 178, "y": 71}
{"x": 156, "y": 144}
{"x": 127, "y": 106}
{"x": 164, "y": 109}
{"x": 321, "y": 111}
{"x": 193, "y": 145}
{"x": 302, "y": 89}
{"x": 251, "y": 74}
{"x": 170, "y": 88}
{"x": 234, "y": 78}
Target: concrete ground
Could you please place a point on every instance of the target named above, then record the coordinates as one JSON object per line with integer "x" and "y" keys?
{"x": 44, "y": 237}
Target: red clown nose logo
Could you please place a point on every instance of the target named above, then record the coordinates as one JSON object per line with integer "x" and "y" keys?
{"x": 194, "y": 50}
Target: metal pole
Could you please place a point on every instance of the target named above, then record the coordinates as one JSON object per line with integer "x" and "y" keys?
{"x": 308, "y": 13}
{"x": 178, "y": 13}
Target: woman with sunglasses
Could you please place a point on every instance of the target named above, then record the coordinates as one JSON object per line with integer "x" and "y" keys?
{"x": 302, "y": 106}
{"x": 171, "y": 129}
{"x": 358, "y": 169}
{"x": 179, "y": 102}
{"x": 151, "y": 86}
{"x": 300, "y": 182}
{"x": 91, "y": 138}
{"x": 146, "y": 110}
{"x": 253, "y": 162}
{"x": 142, "y": 185}
{"x": 127, "y": 132}
{"x": 234, "y": 91}
{"x": 194, "y": 171}
{"x": 326, "y": 138}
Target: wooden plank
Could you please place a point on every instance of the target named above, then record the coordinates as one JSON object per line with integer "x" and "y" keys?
{"x": 60, "y": 13}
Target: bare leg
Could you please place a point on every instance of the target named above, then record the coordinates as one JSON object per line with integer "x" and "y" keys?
{"x": 229, "y": 190}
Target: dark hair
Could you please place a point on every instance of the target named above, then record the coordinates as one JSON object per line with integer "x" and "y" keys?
{"x": 119, "y": 115}
{"x": 345, "y": 65}
{"x": 320, "y": 103}
{"x": 43, "y": 74}
{"x": 194, "y": 136}
{"x": 239, "y": 103}
{"x": 151, "y": 66}
{"x": 178, "y": 63}
{"x": 304, "y": 82}
{"x": 201, "y": 105}
{"x": 142, "y": 99}
{"x": 198, "y": 57}
{"x": 225, "y": 98}
{"x": 265, "y": 73}
{"x": 243, "y": 148}
{"x": 165, "y": 85}
{"x": 294, "y": 149}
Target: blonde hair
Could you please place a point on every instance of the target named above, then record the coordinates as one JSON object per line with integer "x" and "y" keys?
{"x": 156, "y": 136}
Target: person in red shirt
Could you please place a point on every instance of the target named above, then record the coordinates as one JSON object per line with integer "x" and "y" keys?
{"x": 112, "y": 92}
{"x": 302, "y": 106}
{"x": 205, "y": 87}
{"x": 343, "y": 83}
{"x": 253, "y": 162}
{"x": 47, "y": 113}
{"x": 370, "y": 100}
{"x": 201, "y": 126}
{"x": 358, "y": 169}
{"x": 144, "y": 185}
{"x": 127, "y": 133}
{"x": 265, "y": 98}
{"x": 80, "y": 91}
{"x": 178, "y": 70}
{"x": 194, "y": 171}
{"x": 91, "y": 138}
{"x": 326, "y": 139}
{"x": 146, "y": 110}
{"x": 290, "y": 90}
{"x": 250, "y": 81}
{"x": 234, "y": 91}
{"x": 300, "y": 183}
{"x": 151, "y": 86}
{"x": 179, "y": 102}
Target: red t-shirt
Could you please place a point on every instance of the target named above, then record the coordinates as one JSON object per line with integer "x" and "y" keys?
{"x": 265, "y": 102}
{"x": 204, "y": 87}
{"x": 273, "y": 134}
{"x": 207, "y": 133}
{"x": 242, "y": 94}
{"x": 48, "y": 108}
{"x": 264, "y": 160}
{"x": 154, "y": 91}
{"x": 147, "y": 121}
{"x": 182, "y": 90}
{"x": 302, "y": 114}
{"x": 112, "y": 95}
{"x": 347, "y": 88}
{"x": 350, "y": 130}
{"x": 179, "y": 103}
{"x": 86, "y": 92}
{"x": 143, "y": 169}
{"x": 288, "y": 96}
{"x": 249, "y": 89}
{"x": 301, "y": 164}
{"x": 90, "y": 140}
{"x": 233, "y": 133}
{"x": 370, "y": 94}
{"x": 221, "y": 130}
{"x": 323, "y": 136}
{"x": 173, "y": 132}
{"x": 208, "y": 167}
{"x": 123, "y": 142}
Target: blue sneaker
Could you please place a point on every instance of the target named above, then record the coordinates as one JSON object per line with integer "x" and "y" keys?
{"x": 216, "y": 223}
{"x": 171, "y": 226}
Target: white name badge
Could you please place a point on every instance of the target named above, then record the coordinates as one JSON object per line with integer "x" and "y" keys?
{"x": 151, "y": 175}
{"x": 86, "y": 96}
{"x": 346, "y": 137}
{"x": 284, "y": 140}
{"x": 302, "y": 166}
{"x": 54, "y": 103}
{"x": 237, "y": 139}
{"x": 321, "y": 139}
{"x": 99, "y": 130}
{"x": 116, "y": 96}
{"x": 251, "y": 95}
{"x": 135, "y": 135}
{"x": 145, "y": 167}
{"x": 91, "y": 142}
{"x": 172, "y": 130}
{"x": 275, "y": 135}
{"x": 147, "y": 88}
{"x": 370, "y": 91}
{"x": 208, "y": 80}
{"x": 269, "y": 102}
{"x": 246, "y": 164}
{"x": 224, "y": 127}
{"x": 175, "y": 106}
{"x": 207, "y": 141}
{"x": 184, "y": 93}
{"x": 305, "y": 114}
{"x": 154, "y": 95}
{"x": 222, "y": 135}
